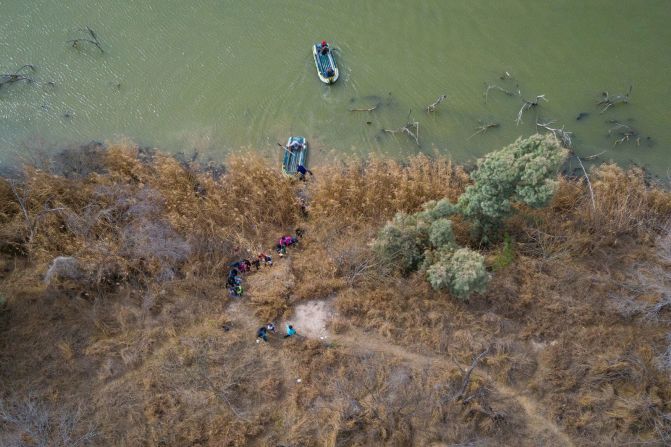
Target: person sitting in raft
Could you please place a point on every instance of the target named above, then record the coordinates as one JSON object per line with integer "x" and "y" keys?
{"x": 290, "y": 331}
{"x": 295, "y": 145}
{"x": 324, "y": 48}
{"x": 329, "y": 72}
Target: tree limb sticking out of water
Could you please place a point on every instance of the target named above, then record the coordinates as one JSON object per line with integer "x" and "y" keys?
{"x": 528, "y": 105}
{"x": 624, "y": 132}
{"x": 408, "y": 129}
{"x": 564, "y": 136}
{"x": 16, "y": 76}
{"x": 366, "y": 109}
{"x": 432, "y": 107}
{"x": 93, "y": 39}
{"x": 483, "y": 128}
{"x": 608, "y": 101}
{"x": 489, "y": 87}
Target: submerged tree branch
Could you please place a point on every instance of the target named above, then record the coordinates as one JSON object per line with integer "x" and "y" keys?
{"x": 432, "y": 107}
{"x": 528, "y": 105}
{"x": 484, "y": 128}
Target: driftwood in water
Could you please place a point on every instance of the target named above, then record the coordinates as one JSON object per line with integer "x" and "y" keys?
{"x": 608, "y": 101}
{"x": 366, "y": 109}
{"x": 10, "y": 78}
{"x": 564, "y": 136}
{"x": 432, "y": 107}
{"x": 411, "y": 129}
{"x": 92, "y": 39}
{"x": 483, "y": 128}
{"x": 526, "y": 105}
{"x": 624, "y": 133}
{"x": 489, "y": 87}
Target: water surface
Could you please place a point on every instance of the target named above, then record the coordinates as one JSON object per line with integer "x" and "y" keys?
{"x": 217, "y": 76}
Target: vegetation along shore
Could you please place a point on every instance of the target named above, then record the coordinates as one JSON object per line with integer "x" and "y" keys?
{"x": 507, "y": 305}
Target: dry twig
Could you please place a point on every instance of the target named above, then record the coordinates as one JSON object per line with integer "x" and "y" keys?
{"x": 589, "y": 184}
{"x": 467, "y": 376}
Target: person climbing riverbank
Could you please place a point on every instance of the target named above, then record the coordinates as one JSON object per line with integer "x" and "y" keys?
{"x": 302, "y": 170}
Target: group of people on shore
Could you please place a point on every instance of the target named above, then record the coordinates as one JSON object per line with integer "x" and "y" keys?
{"x": 238, "y": 268}
{"x": 243, "y": 266}
{"x": 263, "y": 331}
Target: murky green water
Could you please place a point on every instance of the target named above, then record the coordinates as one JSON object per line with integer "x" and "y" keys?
{"x": 224, "y": 75}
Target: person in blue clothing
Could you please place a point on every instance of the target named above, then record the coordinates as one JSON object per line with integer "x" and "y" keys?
{"x": 290, "y": 331}
{"x": 262, "y": 333}
{"x": 302, "y": 170}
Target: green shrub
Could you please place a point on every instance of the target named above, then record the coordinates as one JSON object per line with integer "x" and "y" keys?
{"x": 437, "y": 210}
{"x": 521, "y": 172}
{"x": 461, "y": 272}
{"x": 440, "y": 233}
{"x": 402, "y": 242}
{"x": 505, "y": 258}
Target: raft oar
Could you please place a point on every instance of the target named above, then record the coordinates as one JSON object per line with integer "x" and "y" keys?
{"x": 284, "y": 147}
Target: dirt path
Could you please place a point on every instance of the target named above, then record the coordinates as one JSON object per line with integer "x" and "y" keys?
{"x": 315, "y": 315}
{"x": 543, "y": 427}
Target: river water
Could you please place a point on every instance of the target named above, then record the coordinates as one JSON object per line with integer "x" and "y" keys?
{"x": 217, "y": 76}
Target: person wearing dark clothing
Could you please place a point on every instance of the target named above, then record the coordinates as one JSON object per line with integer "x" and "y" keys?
{"x": 257, "y": 264}
{"x": 300, "y": 233}
{"x": 267, "y": 260}
{"x": 302, "y": 170}
{"x": 324, "y": 48}
{"x": 262, "y": 333}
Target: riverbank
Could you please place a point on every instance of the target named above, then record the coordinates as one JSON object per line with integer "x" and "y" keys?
{"x": 117, "y": 328}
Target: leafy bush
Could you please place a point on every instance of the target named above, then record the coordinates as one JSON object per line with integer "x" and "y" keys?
{"x": 402, "y": 242}
{"x": 521, "y": 172}
{"x": 440, "y": 233}
{"x": 462, "y": 272}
